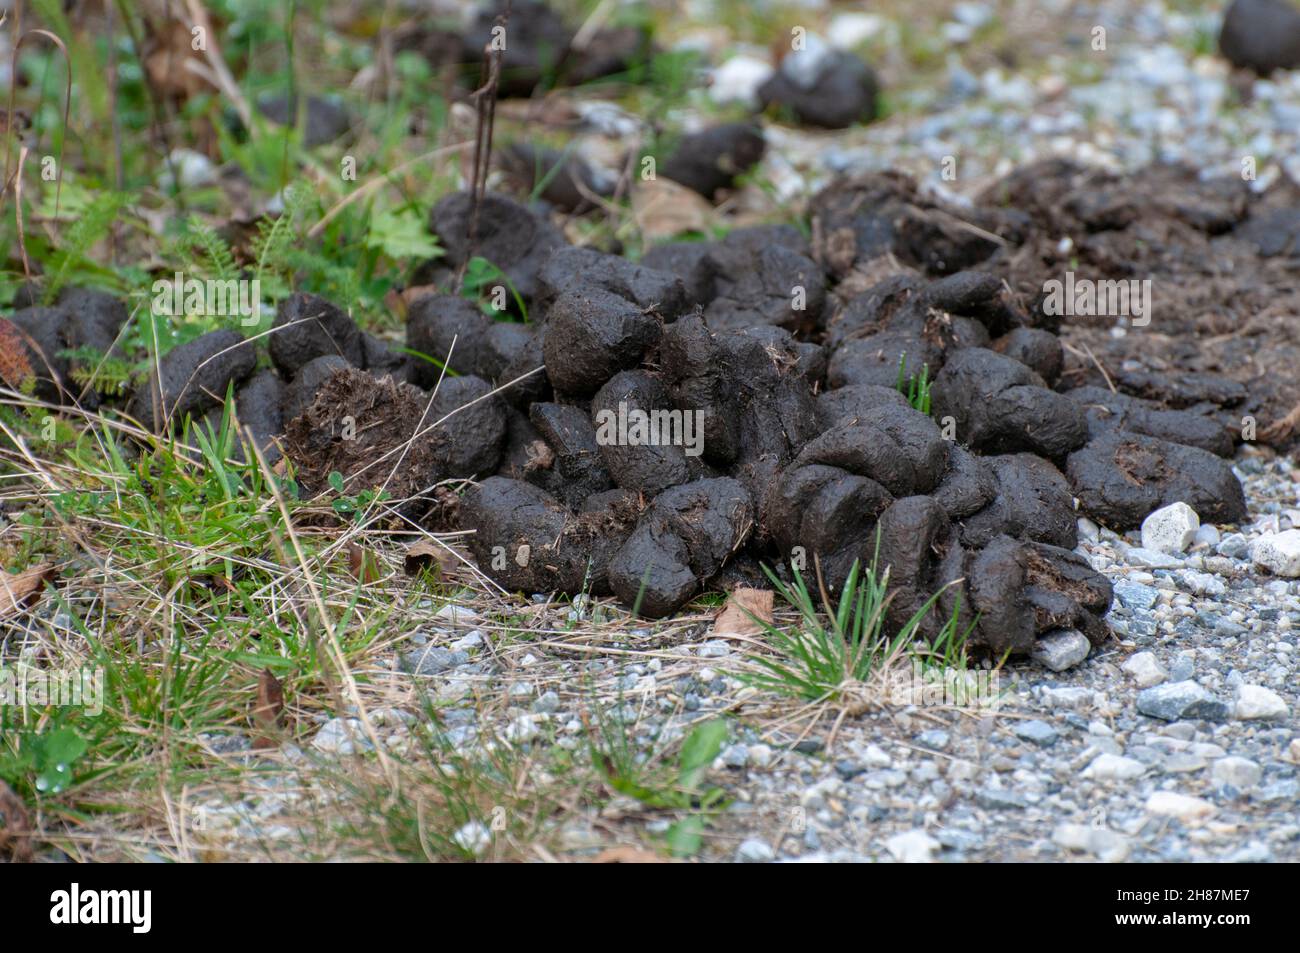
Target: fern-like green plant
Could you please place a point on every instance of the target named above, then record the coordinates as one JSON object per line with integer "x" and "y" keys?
{"x": 208, "y": 252}
{"x": 86, "y": 232}
{"x": 93, "y": 370}
{"x": 275, "y": 237}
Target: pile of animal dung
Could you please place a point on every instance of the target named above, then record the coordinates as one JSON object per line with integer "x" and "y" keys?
{"x": 720, "y": 405}
{"x": 658, "y": 428}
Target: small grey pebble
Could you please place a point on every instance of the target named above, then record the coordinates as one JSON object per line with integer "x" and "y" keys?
{"x": 999, "y": 800}
{"x": 432, "y": 660}
{"x": 847, "y": 769}
{"x": 936, "y": 739}
{"x": 1175, "y": 701}
{"x": 1036, "y": 731}
{"x": 735, "y": 756}
{"x": 1135, "y": 595}
{"x": 547, "y": 703}
{"x": 754, "y": 851}
{"x": 959, "y": 840}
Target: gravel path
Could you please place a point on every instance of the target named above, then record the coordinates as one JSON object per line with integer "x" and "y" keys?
{"x": 1156, "y": 93}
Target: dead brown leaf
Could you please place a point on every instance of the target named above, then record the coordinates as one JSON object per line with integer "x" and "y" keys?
{"x": 167, "y": 50}
{"x": 424, "y": 553}
{"x": 539, "y": 455}
{"x": 400, "y": 301}
{"x": 627, "y": 855}
{"x": 15, "y": 827}
{"x": 15, "y": 368}
{"x": 1279, "y": 430}
{"x": 744, "y": 612}
{"x": 268, "y": 713}
{"x": 664, "y": 209}
{"x": 363, "y": 564}
{"x": 19, "y": 592}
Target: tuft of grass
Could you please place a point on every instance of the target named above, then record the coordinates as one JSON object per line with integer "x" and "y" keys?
{"x": 915, "y": 387}
{"x": 836, "y": 654}
{"x": 185, "y": 591}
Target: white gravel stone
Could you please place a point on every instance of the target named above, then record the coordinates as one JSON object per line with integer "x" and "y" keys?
{"x": 1257, "y": 702}
{"x": 1279, "y": 553}
{"x": 1061, "y": 649}
{"x": 874, "y": 757}
{"x": 1253, "y": 853}
{"x": 1170, "y": 529}
{"x": 1203, "y": 583}
{"x": 1070, "y": 697}
{"x": 453, "y": 689}
{"x": 1182, "y": 806}
{"x": 1141, "y": 556}
{"x": 1145, "y": 669}
{"x": 912, "y": 847}
{"x": 192, "y": 169}
{"x": 1241, "y": 773}
{"x": 608, "y": 119}
{"x": 733, "y": 756}
{"x": 522, "y": 730}
{"x": 847, "y": 30}
{"x": 341, "y": 736}
{"x": 1208, "y": 535}
{"x": 815, "y": 795}
{"x": 471, "y": 640}
{"x": 738, "y": 79}
{"x": 754, "y": 851}
{"x": 473, "y": 837}
{"x": 454, "y": 613}
{"x": 389, "y": 717}
{"x": 548, "y": 703}
{"x": 1106, "y": 845}
{"x": 1112, "y": 767}
{"x": 961, "y": 770}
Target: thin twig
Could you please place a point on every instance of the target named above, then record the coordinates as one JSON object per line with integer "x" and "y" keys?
{"x": 485, "y": 103}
